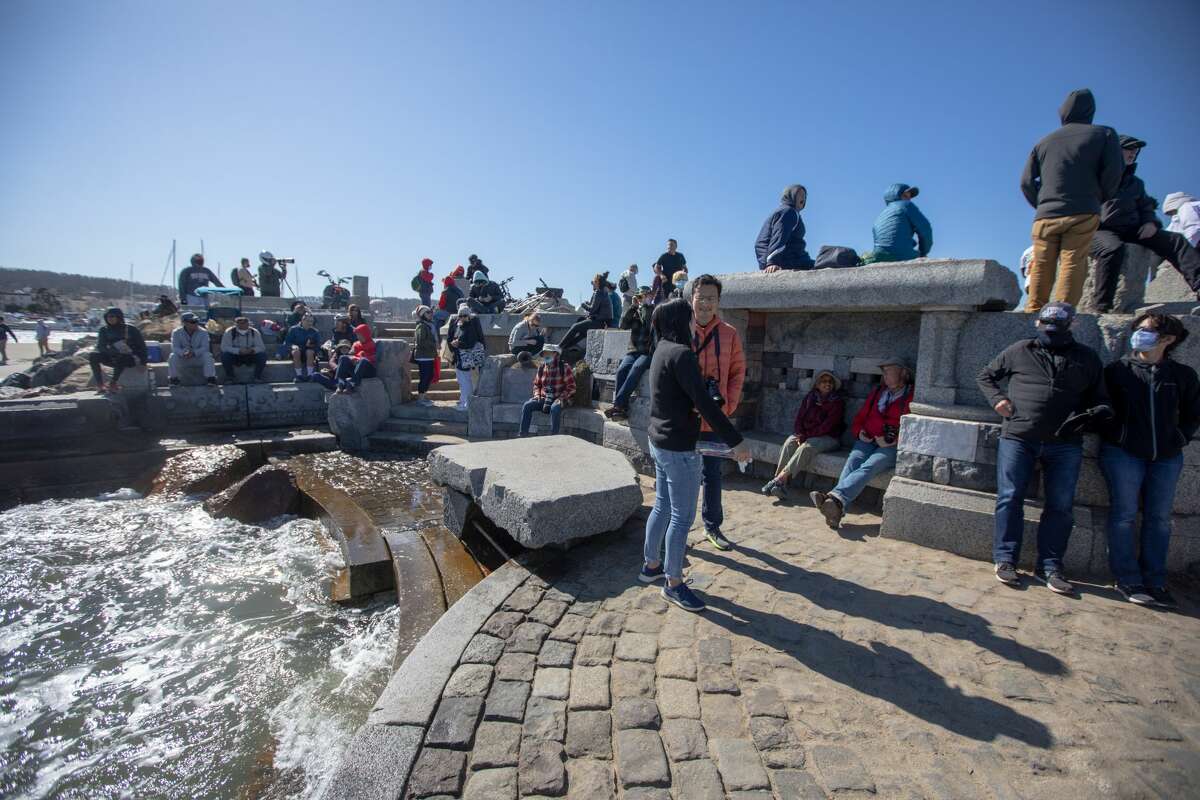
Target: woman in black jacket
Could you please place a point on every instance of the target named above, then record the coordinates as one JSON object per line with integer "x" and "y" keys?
{"x": 677, "y": 393}
{"x": 599, "y": 310}
{"x": 1157, "y": 405}
{"x": 464, "y": 337}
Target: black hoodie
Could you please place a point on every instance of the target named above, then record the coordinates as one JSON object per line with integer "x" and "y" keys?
{"x": 1131, "y": 207}
{"x": 109, "y": 335}
{"x": 1078, "y": 167}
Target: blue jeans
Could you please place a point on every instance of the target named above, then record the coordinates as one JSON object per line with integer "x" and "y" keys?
{"x": 866, "y": 460}
{"x": 676, "y": 487}
{"x": 1129, "y": 478}
{"x": 629, "y": 375}
{"x": 1015, "y": 460}
{"x": 535, "y": 404}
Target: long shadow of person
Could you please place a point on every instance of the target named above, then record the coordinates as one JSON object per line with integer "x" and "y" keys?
{"x": 888, "y": 673}
{"x": 901, "y": 611}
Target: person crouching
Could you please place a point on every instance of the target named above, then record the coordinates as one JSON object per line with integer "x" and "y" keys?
{"x": 553, "y": 388}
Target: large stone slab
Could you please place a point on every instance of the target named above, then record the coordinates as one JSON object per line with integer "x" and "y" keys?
{"x": 353, "y": 417}
{"x": 939, "y": 437}
{"x": 197, "y": 408}
{"x": 543, "y": 490}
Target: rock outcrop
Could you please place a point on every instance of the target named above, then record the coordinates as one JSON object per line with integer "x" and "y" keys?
{"x": 203, "y": 470}
{"x": 268, "y": 492}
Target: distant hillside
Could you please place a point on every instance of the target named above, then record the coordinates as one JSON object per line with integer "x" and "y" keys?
{"x": 65, "y": 283}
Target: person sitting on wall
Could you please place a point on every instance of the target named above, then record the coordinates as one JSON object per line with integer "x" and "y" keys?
{"x": 189, "y": 343}
{"x": 527, "y": 337}
{"x": 553, "y": 388}
{"x": 342, "y": 330}
{"x": 194, "y": 277}
{"x": 1051, "y": 379}
{"x": 614, "y": 297}
{"x": 359, "y": 365}
{"x": 425, "y": 353}
{"x": 818, "y": 428}
{"x": 599, "y": 313}
{"x": 897, "y": 225}
{"x": 448, "y": 301}
{"x": 636, "y": 320}
{"x": 1156, "y": 402}
{"x": 301, "y": 345}
{"x": 468, "y": 351}
{"x": 780, "y": 244}
{"x": 119, "y": 346}
{"x": 876, "y": 429}
{"x": 485, "y": 295}
{"x": 165, "y": 308}
{"x": 242, "y": 345}
{"x": 299, "y": 309}
{"x": 327, "y": 375}
{"x": 474, "y": 265}
{"x": 354, "y": 316}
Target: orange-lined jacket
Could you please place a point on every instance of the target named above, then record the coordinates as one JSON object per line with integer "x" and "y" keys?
{"x": 732, "y": 370}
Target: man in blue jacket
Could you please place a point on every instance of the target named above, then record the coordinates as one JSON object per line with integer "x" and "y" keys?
{"x": 897, "y": 224}
{"x": 780, "y": 243}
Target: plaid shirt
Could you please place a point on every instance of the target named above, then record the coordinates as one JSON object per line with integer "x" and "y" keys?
{"x": 558, "y": 384}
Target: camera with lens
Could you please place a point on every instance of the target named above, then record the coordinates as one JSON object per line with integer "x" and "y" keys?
{"x": 714, "y": 391}
{"x": 891, "y": 433}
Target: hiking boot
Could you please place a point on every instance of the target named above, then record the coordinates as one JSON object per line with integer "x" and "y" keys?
{"x": 769, "y": 487}
{"x": 1055, "y": 581}
{"x": 1006, "y": 573}
{"x": 1162, "y": 597}
{"x": 718, "y": 540}
{"x": 173, "y": 381}
{"x": 780, "y": 490}
{"x": 1136, "y": 595}
{"x": 832, "y": 511}
{"x": 682, "y": 596}
{"x": 650, "y": 575}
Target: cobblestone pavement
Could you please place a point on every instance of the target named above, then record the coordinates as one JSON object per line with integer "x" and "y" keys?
{"x": 826, "y": 665}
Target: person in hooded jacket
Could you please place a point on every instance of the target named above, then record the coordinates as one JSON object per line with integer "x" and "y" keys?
{"x": 897, "y": 225}
{"x": 1184, "y": 212}
{"x": 464, "y": 337}
{"x": 1156, "y": 405}
{"x": 1069, "y": 174}
{"x": 599, "y": 310}
{"x": 192, "y": 278}
{"x": 485, "y": 295}
{"x": 818, "y": 428}
{"x": 353, "y": 369}
{"x": 118, "y": 345}
{"x": 425, "y": 352}
{"x": 1129, "y": 218}
{"x": 1055, "y": 390}
{"x": 780, "y": 244}
{"x": 449, "y": 299}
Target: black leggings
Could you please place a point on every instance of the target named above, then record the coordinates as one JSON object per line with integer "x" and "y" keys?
{"x": 579, "y": 331}
{"x": 425, "y": 367}
{"x": 118, "y": 361}
{"x": 1108, "y": 252}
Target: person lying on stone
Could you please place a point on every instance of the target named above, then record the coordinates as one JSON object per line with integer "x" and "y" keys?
{"x": 780, "y": 244}
{"x": 190, "y": 344}
{"x": 242, "y": 345}
{"x": 818, "y": 426}
{"x": 119, "y": 346}
{"x": 876, "y": 430}
{"x": 897, "y": 225}
{"x": 553, "y": 388}
{"x": 301, "y": 345}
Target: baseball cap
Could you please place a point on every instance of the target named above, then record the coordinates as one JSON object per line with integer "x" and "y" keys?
{"x": 1055, "y": 316}
{"x": 188, "y": 316}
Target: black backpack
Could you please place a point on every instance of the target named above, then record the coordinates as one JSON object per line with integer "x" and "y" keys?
{"x": 623, "y": 284}
{"x": 831, "y": 256}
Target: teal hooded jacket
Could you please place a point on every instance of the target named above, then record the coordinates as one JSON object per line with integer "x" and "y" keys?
{"x": 898, "y": 223}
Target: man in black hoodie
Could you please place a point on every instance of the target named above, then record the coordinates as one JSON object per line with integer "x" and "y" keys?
{"x": 1129, "y": 218}
{"x": 1069, "y": 175}
{"x": 117, "y": 345}
{"x": 1055, "y": 388}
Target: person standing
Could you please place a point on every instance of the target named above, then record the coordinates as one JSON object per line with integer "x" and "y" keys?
{"x": 898, "y": 224}
{"x": 599, "y": 313}
{"x": 723, "y": 367}
{"x": 41, "y": 334}
{"x": 270, "y": 274}
{"x": 1055, "y": 387}
{"x": 679, "y": 399}
{"x": 425, "y": 352}
{"x": 780, "y": 243}
{"x": 670, "y": 262}
{"x": 634, "y": 364}
{"x": 190, "y": 341}
{"x": 467, "y": 350}
{"x": 1068, "y": 176}
{"x": 193, "y": 277}
{"x": 628, "y": 285}
{"x": 817, "y": 429}
{"x": 119, "y": 346}
{"x": 1156, "y": 405}
{"x": 1129, "y": 218}
{"x": 425, "y": 281}
{"x": 553, "y": 388}
{"x": 5, "y": 332}
{"x": 245, "y": 278}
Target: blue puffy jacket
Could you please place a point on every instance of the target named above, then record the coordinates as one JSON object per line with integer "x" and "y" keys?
{"x": 781, "y": 239}
{"x": 898, "y": 223}
{"x": 304, "y": 338}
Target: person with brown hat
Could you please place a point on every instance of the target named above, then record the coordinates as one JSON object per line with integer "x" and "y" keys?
{"x": 818, "y": 426}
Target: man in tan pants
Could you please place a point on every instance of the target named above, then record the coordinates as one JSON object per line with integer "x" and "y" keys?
{"x": 1069, "y": 175}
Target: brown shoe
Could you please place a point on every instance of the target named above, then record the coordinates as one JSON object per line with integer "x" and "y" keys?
{"x": 832, "y": 510}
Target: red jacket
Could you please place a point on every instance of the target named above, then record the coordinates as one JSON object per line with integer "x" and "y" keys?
{"x": 426, "y": 276}
{"x": 365, "y": 346}
{"x": 870, "y": 420}
{"x": 815, "y": 418}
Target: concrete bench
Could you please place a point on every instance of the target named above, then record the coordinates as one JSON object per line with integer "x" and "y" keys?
{"x": 766, "y": 447}
{"x": 191, "y": 373}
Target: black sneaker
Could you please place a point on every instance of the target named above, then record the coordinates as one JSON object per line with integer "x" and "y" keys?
{"x": 1006, "y": 573}
{"x": 1056, "y": 582}
{"x": 173, "y": 381}
{"x": 1136, "y": 595}
{"x": 718, "y": 540}
{"x": 1162, "y": 597}
{"x": 212, "y": 381}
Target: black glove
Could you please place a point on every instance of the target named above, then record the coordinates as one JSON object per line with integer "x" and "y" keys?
{"x": 546, "y": 407}
{"x": 1083, "y": 421}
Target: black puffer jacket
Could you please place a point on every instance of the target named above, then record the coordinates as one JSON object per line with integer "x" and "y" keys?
{"x": 1132, "y": 207}
{"x": 1045, "y": 387}
{"x": 1076, "y": 168}
{"x": 1157, "y": 407}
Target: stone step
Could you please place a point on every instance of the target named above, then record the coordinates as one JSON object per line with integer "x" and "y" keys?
{"x": 415, "y": 443}
{"x": 446, "y": 412}
{"x": 394, "y": 425}
{"x": 275, "y": 372}
{"x": 446, "y": 395}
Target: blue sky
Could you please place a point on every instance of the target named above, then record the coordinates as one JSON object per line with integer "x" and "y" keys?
{"x": 554, "y": 139}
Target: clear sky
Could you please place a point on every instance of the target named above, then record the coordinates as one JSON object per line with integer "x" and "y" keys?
{"x": 555, "y": 139}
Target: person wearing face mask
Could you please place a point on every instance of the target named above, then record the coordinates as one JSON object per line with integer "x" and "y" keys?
{"x": 780, "y": 244}
{"x": 553, "y": 388}
{"x": 1156, "y": 405}
{"x": 1055, "y": 389}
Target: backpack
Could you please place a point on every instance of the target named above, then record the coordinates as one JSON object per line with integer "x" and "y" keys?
{"x": 233, "y": 277}
{"x": 831, "y": 256}
{"x": 623, "y": 284}
{"x": 416, "y": 282}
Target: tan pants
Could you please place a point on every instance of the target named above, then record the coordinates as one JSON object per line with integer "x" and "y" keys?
{"x": 795, "y": 457}
{"x": 1060, "y": 245}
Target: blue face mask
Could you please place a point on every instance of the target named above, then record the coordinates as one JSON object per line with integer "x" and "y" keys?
{"x": 1143, "y": 340}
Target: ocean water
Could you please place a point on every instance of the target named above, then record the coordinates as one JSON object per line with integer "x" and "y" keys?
{"x": 149, "y": 651}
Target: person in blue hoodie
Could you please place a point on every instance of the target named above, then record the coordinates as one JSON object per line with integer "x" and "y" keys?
{"x": 780, "y": 243}
{"x": 896, "y": 226}
{"x": 302, "y": 343}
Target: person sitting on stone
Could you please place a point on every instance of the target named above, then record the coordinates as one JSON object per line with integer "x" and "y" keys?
{"x": 189, "y": 345}
{"x": 464, "y": 337}
{"x": 299, "y": 309}
{"x": 448, "y": 301}
{"x": 301, "y": 345}
{"x": 242, "y": 345}
{"x": 898, "y": 224}
{"x": 165, "y": 308}
{"x": 354, "y": 316}
{"x": 485, "y": 295}
{"x": 553, "y": 388}
{"x": 876, "y": 429}
{"x": 327, "y": 375}
{"x": 342, "y": 330}
{"x": 527, "y": 337}
{"x": 1184, "y": 212}
{"x": 119, "y": 346}
{"x": 474, "y": 265}
{"x": 1129, "y": 218}
{"x": 636, "y": 320}
{"x": 679, "y": 281}
{"x": 425, "y": 352}
{"x": 818, "y": 428}
{"x": 194, "y": 277}
{"x": 359, "y": 365}
{"x": 599, "y": 313}
{"x": 780, "y": 244}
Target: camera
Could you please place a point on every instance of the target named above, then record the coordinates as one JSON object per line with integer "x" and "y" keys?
{"x": 890, "y": 433}
{"x": 285, "y": 261}
{"x": 546, "y": 405}
{"x": 714, "y": 391}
